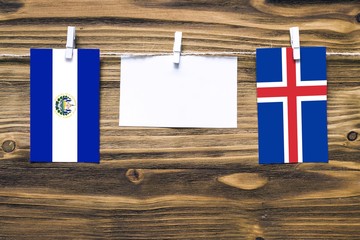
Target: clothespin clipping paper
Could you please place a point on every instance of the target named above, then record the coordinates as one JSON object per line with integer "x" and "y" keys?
{"x": 177, "y": 47}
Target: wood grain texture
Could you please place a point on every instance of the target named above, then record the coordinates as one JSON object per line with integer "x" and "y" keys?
{"x": 179, "y": 183}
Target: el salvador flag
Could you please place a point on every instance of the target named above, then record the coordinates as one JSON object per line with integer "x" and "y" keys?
{"x": 64, "y": 106}
{"x": 292, "y": 102}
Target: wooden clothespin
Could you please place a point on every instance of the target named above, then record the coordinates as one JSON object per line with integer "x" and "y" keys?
{"x": 177, "y": 47}
{"x": 295, "y": 42}
{"x": 70, "y": 42}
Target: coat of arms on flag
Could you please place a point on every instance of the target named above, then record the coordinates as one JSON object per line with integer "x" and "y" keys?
{"x": 291, "y": 97}
{"x": 64, "y": 105}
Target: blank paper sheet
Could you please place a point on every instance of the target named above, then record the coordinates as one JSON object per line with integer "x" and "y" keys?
{"x": 200, "y": 92}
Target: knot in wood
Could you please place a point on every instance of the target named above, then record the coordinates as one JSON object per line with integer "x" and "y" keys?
{"x": 135, "y": 176}
{"x": 352, "y": 136}
{"x": 358, "y": 18}
{"x": 259, "y": 238}
{"x": 8, "y": 146}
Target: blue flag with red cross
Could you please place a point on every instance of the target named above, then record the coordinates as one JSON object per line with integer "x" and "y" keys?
{"x": 292, "y": 102}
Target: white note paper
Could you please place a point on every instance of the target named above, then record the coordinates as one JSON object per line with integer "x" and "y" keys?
{"x": 200, "y": 92}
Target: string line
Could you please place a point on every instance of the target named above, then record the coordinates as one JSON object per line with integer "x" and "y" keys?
{"x": 129, "y": 54}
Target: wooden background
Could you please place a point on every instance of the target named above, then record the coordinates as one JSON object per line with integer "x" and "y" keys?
{"x": 180, "y": 183}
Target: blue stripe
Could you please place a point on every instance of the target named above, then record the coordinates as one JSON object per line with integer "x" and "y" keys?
{"x": 268, "y": 65}
{"x": 313, "y": 63}
{"x": 41, "y": 105}
{"x": 271, "y": 133}
{"x": 314, "y": 131}
{"x": 88, "y": 105}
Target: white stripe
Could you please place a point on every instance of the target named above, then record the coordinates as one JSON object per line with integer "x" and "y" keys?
{"x": 284, "y": 66}
{"x": 286, "y": 131}
{"x": 298, "y": 73}
{"x": 271, "y": 99}
{"x": 312, "y": 83}
{"x": 299, "y": 129}
{"x": 299, "y": 113}
{"x": 270, "y": 84}
{"x": 312, "y": 98}
{"x": 64, "y": 129}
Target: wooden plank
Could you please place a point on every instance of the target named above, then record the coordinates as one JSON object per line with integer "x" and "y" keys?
{"x": 102, "y": 200}
{"x": 149, "y": 25}
{"x": 179, "y": 183}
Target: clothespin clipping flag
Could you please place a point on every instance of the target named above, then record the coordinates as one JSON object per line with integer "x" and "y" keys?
{"x": 291, "y": 96}
{"x": 64, "y": 105}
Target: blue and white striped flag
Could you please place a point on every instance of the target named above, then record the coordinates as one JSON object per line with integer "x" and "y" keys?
{"x": 64, "y": 106}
